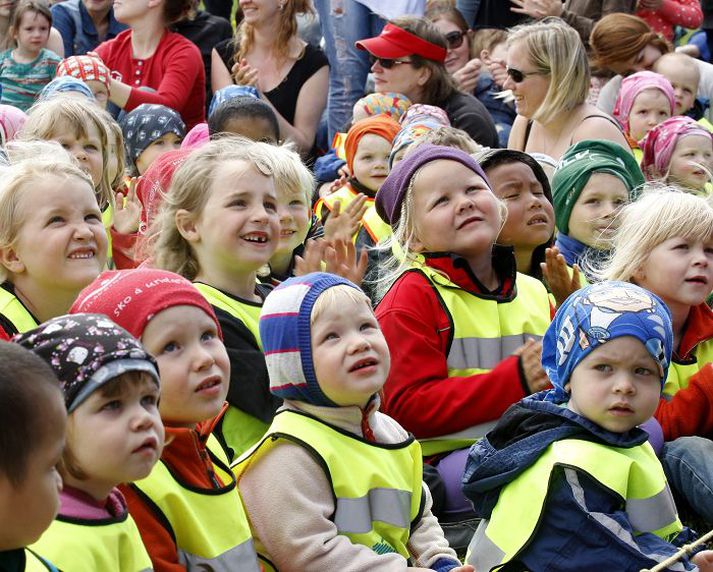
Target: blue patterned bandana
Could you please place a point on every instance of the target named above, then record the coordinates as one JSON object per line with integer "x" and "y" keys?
{"x": 146, "y": 123}
{"x": 594, "y": 315}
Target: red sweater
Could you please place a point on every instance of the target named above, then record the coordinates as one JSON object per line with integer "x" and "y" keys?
{"x": 690, "y": 411}
{"x": 686, "y": 13}
{"x": 418, "y": 393}
{"x": 187, "y": 457}
{"x": 175, "y": 71}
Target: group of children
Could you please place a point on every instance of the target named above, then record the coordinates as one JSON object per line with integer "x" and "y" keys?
{"x": 220, "y": 402}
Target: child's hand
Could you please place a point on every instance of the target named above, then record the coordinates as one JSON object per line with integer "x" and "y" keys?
{"x": 530, "y": 358}
{"x": 127, "y": 211}
{"x": 555, "y": 272}
{"x": 344, "y": 225}
{"x": 704, "y": 560}
{"x": 341, "y": 258}
{"x": 245, "y": 74}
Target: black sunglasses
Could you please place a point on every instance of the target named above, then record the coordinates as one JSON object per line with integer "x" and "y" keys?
{"x": 387, "y": 63}
{"x": 455, "y": 39}
{"x": 519, "y": 76}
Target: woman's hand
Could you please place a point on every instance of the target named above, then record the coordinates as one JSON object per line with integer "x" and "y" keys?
{"x": 538, "y": 8}
{"x": 245, "y": 74}
{"x": 649, "y": 4}
{"x": 556, "y": 274}
{"x": 467, "y": 76}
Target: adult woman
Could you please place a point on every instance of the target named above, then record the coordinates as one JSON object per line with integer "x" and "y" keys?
{"x": 148, "y": 55}
{"x": 409, "y": 58}
{"x": 291, "y": 75}
{"x": 548, "y": 74}
{"x": 84, "y": 24}
{"x": 626, "y": 44}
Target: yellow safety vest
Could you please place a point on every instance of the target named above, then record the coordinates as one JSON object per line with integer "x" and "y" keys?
{"x": 210, "y": 527}
{"x": 634, "y": 474}
{"x": 679, "y": 374}
{"x": 14, "y": 312}
{"x": 374, "y": 224}
{"x": 239, "y": 430}
{"x": 77, "y": 546}
{"x": 377, "y": 487}
{"x": 376, "y": 227}
{"x": 338, "y": 145}
{"x": 108, "y": 220}
{"x": 35, "y": 563}
{"x": 484, "y": 332}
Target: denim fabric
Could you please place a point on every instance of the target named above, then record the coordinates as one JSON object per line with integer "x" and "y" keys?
{"x": 688, "y": 464}
{"x": 74, "y": 24}
{"x": 344, "y": 22}
{"x": 469, "y": 9}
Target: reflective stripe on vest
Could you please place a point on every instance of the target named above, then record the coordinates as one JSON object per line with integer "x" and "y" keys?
{"x": 248, "y": 314}
{"x": 377, "y": 487}
{"x": 485, "y": 332}
{"x": 93, "y": 546}
{"x": 13, "y": 311}
{"x": 680, "y": 374}
{"x": 210, "y": 526}
{"x": 634, "y": 474}
{"x": 345, "y": 195}
{"x": 35, "y": 563}
{"x": 376, "y": 227}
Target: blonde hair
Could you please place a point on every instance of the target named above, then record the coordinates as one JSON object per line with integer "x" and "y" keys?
{"x": 557, "y": 51}
{"x": 661, "y": 213}
{"x": 447, "y": 136}
{"x": 47, "y": 119}
{"x": 291, "y": 174}
{"x": 336, "y": 296}
{"x": 681, "y": 61}
{"x": 15, "y": 180}
{"x": 116, "y": 137}
{"x": 190, "y": 189}
{"x": 18, "y": 151}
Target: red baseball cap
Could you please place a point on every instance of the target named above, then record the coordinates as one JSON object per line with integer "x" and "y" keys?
{"x": 395, "y": 42}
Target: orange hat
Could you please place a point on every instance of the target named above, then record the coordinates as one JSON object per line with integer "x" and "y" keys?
{"x": 381, "y": 125}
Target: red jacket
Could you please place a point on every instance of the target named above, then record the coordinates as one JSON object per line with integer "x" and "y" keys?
{"x": 175, "y": 71}
{"x": 418, "y": 393}
{"x": 690, "y": 411}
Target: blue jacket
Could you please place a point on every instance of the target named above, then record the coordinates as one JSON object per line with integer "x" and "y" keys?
{"x": 76, "y": 27}
{"x": 570, "y": 534}
{"x": 503, "y": 114}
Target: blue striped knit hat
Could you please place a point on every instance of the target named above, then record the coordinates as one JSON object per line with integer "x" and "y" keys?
{"x": 285, "y": 332}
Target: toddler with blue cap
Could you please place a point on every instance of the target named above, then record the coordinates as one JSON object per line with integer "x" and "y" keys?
{"x": 567, "y": 479}
{"x": 343, "y": 480}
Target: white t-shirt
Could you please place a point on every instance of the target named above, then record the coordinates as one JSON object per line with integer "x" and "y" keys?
{"x": 388, "y": 9}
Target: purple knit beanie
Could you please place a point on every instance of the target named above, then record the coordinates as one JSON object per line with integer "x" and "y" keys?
{"x": 392, "y": 193}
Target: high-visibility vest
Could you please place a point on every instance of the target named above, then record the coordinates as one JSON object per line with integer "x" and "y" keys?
{"x": 35, "y": 563}
{"x": 484, "y": 332}
{"x": 376, "y": 227}
{"x": 679, "y": 374}
{"x": 75, "y": 545}
{"x": 15, "y": 313}
{"x": 210, "y": 527}
{"x": 239, "y": 430}
{"x": 634, "y": 474}
{"x": 377, "y": 487}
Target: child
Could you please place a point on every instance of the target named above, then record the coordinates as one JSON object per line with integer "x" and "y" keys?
{"x": 30, "y": 448}
{"x": 67, "y": 87}
{"x": 593, "y": 181}
{"x": 567, "y": 480}
{"x": 91, "y": 71}
{"x": 460, "y": 321}
{"x": 52, "y": 241}
{"x": 679, "y": 151}
{"x": 683, "y": 73}
{"x": 367, "y": 147}
{"x": 367, "y": 510}
{"x": 26, "y": 69}
{"x": 150, "y": 130}
{"x": 12, "y": 120}
{"x": 218, "y": 226}
{"x": 645, "y": 99}
{"x": 114, "y": 435}
{"x": 246, "y": 116}
{"x": 188, "y": 509}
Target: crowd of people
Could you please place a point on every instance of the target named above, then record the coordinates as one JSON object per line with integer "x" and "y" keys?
{"x": 430, "y": 290}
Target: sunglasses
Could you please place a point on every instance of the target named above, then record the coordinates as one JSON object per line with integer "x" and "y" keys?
{"x": 387, "y": 63}
{"x": 455, "y": 39}
{"x": 519, "y": 76}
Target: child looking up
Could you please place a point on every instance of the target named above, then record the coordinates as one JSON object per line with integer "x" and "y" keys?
{"x": 328, "y": 360}
{"x": 679, "y": 151}
{"x": 188, "y": 509}
{"x": 593, "y": 180}
{"x": 30, "y": 449}
{"x": 219, "y": 225}
{"x": 114, "y": 435}
{"x": 26, "y": 69}
{"x": 150, "y": 130}
{"x": 645, "y": 99}
{"x": 52, "y": 241}
{"x": 567, "y": 479}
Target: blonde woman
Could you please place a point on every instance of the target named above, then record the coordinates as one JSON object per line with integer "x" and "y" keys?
{"x": 548, "y": 74}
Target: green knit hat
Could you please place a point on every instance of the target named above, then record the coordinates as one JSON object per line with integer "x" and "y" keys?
{"x": 579, "y": 163}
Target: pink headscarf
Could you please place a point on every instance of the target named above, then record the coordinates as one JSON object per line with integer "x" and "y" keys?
{"x": 659, "y": 143}
{"x": 631, "y": 87}
{"x": 11, "y": 121}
